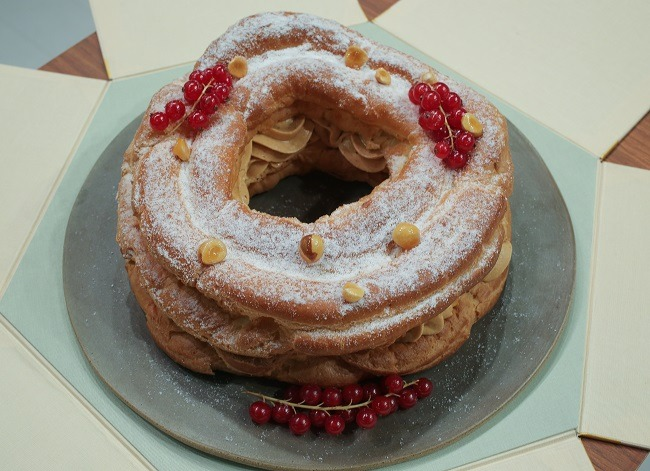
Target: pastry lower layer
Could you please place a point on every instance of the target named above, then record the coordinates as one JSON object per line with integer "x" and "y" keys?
{"x": 402, "y": 357}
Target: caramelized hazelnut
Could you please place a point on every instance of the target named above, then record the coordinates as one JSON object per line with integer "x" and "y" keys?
{"x": 406, "y": 235}
{"x": 311, "y": 248}
{"x": 471, "y": 124}
{"x": 382, "y": 76}
{"x": 355, "y": 57}
{"x": 238, "y": 67}
{"x": 352, "y": 292}
{"x": 181, "y": 150}
{"x": 212, "y": 251}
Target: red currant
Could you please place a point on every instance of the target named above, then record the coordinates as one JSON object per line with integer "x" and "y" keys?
{"x": 456, "y": 160}
{"x": 370, "y": 390}
{"x": 366, "y": 418}
{"x": 291, "y": 394}
{"x": 299, "y": 424}
{"x": 332, "y": 397}
{"x": 175, "y": 110}
{"x": 260, "y": 412}
{"x": 221, "y": 92}
{"x": 442, "y": 149}
{"x": 158, "y": 121}
{"x": 334, "y": 425}
{"x": 442, "y": 89}
{"x": 208, "y": 103}
{"x": 439, "y": 134}
{"x": 382, "y": 405}
{"x": 197, "y": 120}
{"x": 451, "y": 102}
{"x": 352, "y": 394}
{"x": 432, "y": 120}
{"x": 417, "y": 91}
{"x": 348, "y": 415}
{"x": 407, "y": 398}
{"x": 393, "y": 383}
{"x": 394, "y": 404}
{"x": 196, "y": 75}
{"x": 465, "y": 142}
{"x": 208, "y": 75}
{"x": 281, "y": 413}
{"x": 310, "y": 394}
{"x": 430, "y": 101}
{"x": 455, "y": 117}
{"x": 221, "y": 75}
{"x": 192, "y": 90}
{"x": 317, "y": 417}
{"x": 423, "y": 387}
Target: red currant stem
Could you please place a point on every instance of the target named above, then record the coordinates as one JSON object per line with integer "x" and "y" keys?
{"x": 305, "y": 406}
{"x": 180, "y": 121}
{"x": 451, "y": 134}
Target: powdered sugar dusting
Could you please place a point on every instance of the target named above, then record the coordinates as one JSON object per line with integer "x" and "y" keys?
{"x": 182, "y": 204}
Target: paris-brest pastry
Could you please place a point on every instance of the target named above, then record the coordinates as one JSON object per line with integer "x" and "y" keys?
{"x": 391, "y": 283}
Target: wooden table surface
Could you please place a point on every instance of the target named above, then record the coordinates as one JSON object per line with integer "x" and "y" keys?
{"x": 85, "y": 59}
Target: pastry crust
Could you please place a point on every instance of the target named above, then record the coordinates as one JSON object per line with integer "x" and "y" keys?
{"x": 264, "y": 311}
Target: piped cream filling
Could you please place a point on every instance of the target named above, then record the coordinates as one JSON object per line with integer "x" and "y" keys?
{"x": 271, "y": 150}
{"x": 437, "y": 324}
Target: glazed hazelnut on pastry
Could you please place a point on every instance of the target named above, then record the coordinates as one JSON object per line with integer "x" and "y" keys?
{"x": 212, "y": 251}
{"x": 406, "y": 235}
{"x": 311, "y": 248}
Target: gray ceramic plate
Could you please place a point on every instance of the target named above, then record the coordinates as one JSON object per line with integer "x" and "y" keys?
{"x": 210, "y": 413}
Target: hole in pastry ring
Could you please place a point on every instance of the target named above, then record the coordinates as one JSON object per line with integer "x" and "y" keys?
{"x": 182, "y": 204}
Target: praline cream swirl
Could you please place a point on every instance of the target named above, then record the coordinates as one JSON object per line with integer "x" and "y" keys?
{"x": 271, "y": 150}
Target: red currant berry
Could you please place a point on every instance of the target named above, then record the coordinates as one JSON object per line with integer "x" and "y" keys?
{"x": 407, "y": 398}
{"x": 465, "y": 142}
{"x": 281, "y": 413}
{"x": 334, "y": 425}
{"x": 451, "y": 102}
{"x": 382, "y": 405}
{"x": 221, "y": 92}
{"x": 197, "y": 120}
{"x": 455, "y": 117}
{"x": 352, "y": 394}
{"x": 370, "y": 391}
{"x": 423, "y": 388}
{"x": 310, "y": 394}
{"x": 299, "y": 423}
{"x": 417, "y": 91}
{"x": 291, "y": 394}
{"x": 196, "y": 75}
{"x": 348, "y": 415}
{"x": 442, "y": 89}
{"x": 442, "y": 149}
{"x": 221, "y": 75}
{"x": 430, "y": 101}
{"x": 208, "y": 103}
{"x": 393, "y": 383}
{"x": 260, "y": 412}
{"x": 192, "y": 90}
{"x": 175, "y": 110}
{"x": 208, "y": 75}
{"x": 366, "y": 418}
{"x": 456, "y": 160}
{"x": 394, "y": 404}
{"x": 317, "y": 418}
{"x": 158, "y": 121}
{"x": 432, "y": 120}
{"x": 439, "y": 134}
{"x": 332, "y": 397}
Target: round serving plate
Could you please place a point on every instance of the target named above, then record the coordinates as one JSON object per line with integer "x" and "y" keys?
{"x": 506, "y": 348}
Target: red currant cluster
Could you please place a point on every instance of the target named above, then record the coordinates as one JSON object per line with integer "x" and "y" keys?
{"x": 441, "y": 116}
{"x": 205, "y": 90}
{"x": 332, "y": 409}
